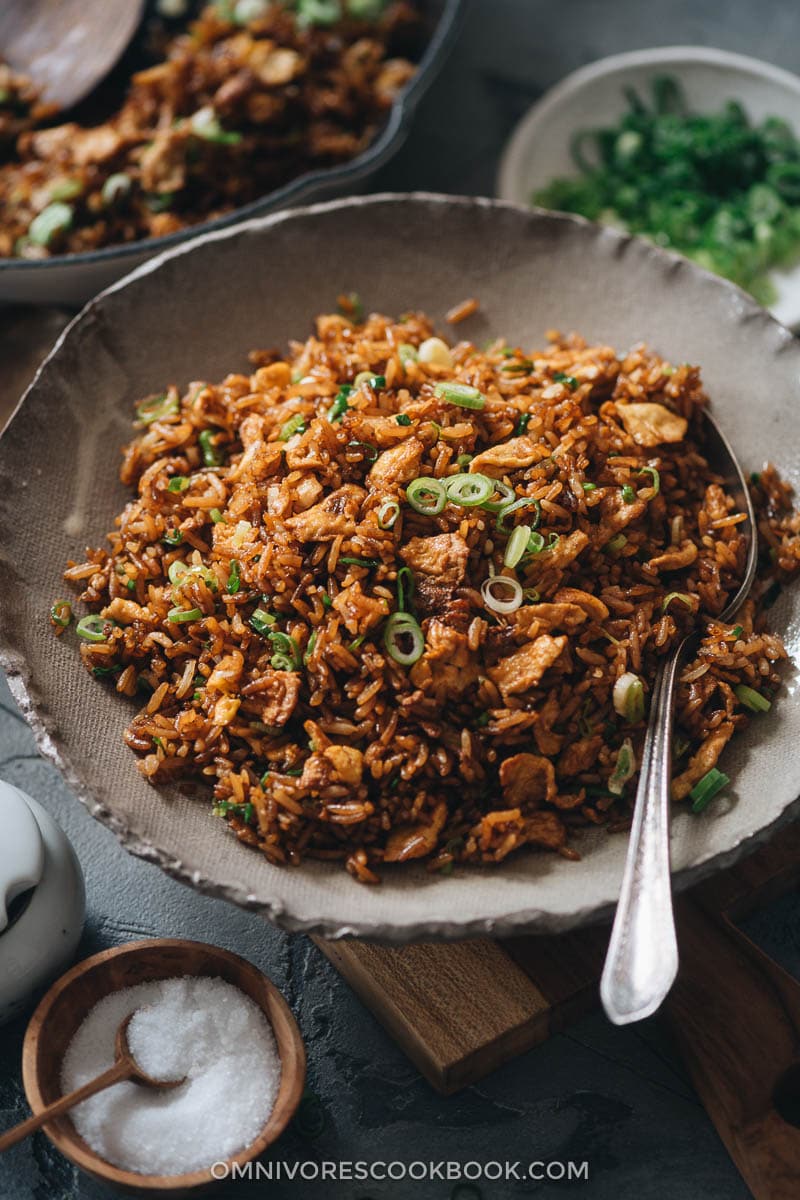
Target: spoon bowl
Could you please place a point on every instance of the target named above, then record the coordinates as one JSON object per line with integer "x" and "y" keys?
{"x": 66, "y": 46}
{"x": 58, "y": 1016}
{"x": 123, "y": 1053}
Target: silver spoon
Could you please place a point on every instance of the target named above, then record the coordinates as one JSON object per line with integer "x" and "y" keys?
{"x": 66, "y": 46}
{"x": 642, "y": 959}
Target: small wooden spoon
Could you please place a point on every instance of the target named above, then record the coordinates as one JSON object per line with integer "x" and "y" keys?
{"x": 125, "y": 1067}
{"x": 66, "y": 46}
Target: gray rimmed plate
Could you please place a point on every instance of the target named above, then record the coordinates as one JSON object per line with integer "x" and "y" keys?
{"x": 70, "y": 279}
{"x": 194, "y": 313}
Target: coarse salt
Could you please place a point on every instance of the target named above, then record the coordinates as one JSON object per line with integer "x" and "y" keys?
{"x": 202, "y": 1028}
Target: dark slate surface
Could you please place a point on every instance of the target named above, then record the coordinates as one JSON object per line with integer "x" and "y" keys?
{"x": 618, "y": 1099}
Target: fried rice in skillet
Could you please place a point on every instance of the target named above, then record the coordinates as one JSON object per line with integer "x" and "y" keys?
{"x": 394, "y": 599}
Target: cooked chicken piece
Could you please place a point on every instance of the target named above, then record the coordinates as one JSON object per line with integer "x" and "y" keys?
{"x": 547, "y": 742}
{"x": 227, "y": 673}
{"x": 676, "y": 557}
{"x": 507, "y": 456}
{"x": 333, "y": 765}
{"x": 715, "y": 502}
{"x": 501, "y": 832}
{"x": 274, "y": 65}
{"x": 580, "y": 756}
{"x": 651, "y": 424}
{"x": 702, "y": 762}
{"x": 359, "y": 611}
{"x": 125, "y": 612}
{"x": 273, "y": 696}
{"x": 259, "y": 461}
{"x": 398, "y": 465}
{"x": 447, "y": 667}
{"x": 523, "y": 669}
{"x": 163, "y": 163}
{"x": 73, "y": 144}
{"x": 335, "y": 515}
{"x": 225, "y": 710}
{"x": 379, "y": 431}
{"x": 545, "y": 829}
{"x": 415, "y": 841}
{"x": 550, "y": 616}
{"x": 527, "y": 780}
{"x": 616, "y": 514}
{"x": 566, "y": 550}
{"x": 591, "y": 605}
{"x": 444, "y": 555}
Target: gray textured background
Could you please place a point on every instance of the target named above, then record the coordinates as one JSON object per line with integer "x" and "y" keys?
{"x": 617, "y": 1098}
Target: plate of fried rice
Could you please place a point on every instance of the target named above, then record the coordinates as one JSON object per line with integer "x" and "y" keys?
{"x": 340, "y": 551}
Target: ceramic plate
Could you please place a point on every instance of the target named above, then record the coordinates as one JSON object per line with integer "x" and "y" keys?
{"x": 194, "y": 313}
{"x": 539, "y": 148}
{"x": 72, "y": 278}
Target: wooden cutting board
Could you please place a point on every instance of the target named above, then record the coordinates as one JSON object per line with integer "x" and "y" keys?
{"x": 459, "y": 1010}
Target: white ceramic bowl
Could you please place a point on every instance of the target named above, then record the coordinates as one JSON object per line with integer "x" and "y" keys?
{"x": 539, "y": 148}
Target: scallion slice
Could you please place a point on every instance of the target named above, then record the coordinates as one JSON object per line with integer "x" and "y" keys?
{"x": 506, "y": 494}
{"x": 535, "y": 543}
{"x": 179, "y": 483}
{"x": 92, "y": 628}
{"x": 216, "y": 516}
{"x": 426, "y": 495}
{"x": 684, "y": 598}
{"x": 61, "y": 613}
{"x": 461, "y": 394}
{"x": 115, "y": 187}
{"x": 234, "y": 578}
{"x": 492, "y": 592}
{"x": 285, "y": 646}
{"x": 628, "y": 697}
{"x": 403, "y": 639}
{"x": 654, "y": 475}
{"x": 707, "y": 788}
{"x": 624, "y": 768}
{"x": 56, "y": 218}
{"x": 211, "y": 455}
{"x": 180, "y": 616}
{"x": 517, "y": 545}
{"x": 206, "y": 125}
{"x": 403, "y": 419}
{"x": 406, "y": 586}
{"x": 295, "y": 424}
{"x": 262, "y": 621}
{"x": 522, "y": 424}
{"x": 616, "y": 543}
{"x": 340, "y": 405}
{"x": 388, "y": 513}
{"x": 523, "y": 502}
{"x": 469, "y": 490}
{"x": 407, "y": 353}
{"x": 156, "y": 408}
{"x": 752, "y": 699}
{"x": 628, "y": 494}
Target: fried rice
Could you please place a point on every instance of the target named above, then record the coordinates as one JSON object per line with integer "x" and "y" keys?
{"x": 227, "y": 111}
{"x": 394, "y": 599}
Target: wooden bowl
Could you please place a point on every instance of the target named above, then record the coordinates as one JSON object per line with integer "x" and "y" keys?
{"x": 64, "y": 1007}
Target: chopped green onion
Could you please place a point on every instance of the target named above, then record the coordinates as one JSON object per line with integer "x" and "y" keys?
{"x": 285, "y": 647}
{"x": 535, "y": 543}
{"x": 179, "y": 483}
{"x": 403, "y": 639}
{"x": 628, "y": 697}
{"x": 49, "y": 223}
{"x": 179, "y": 616}
{"x": 523, "y": 502}
{"x": 61, "y": 613}
{"x": 92, "y": 628}
{"x": 517, "y": 545}
{"x": 172, "y": 537}
{"x": 461, "y": 394}
{"x": 176, "y": 571}
{"x": 589, "y": 487}
{"x": 499, "y": 584}
{"x": 388, "y": 513}
{"x": 156, "y": 408}
{"x": 206, "y": 125}
{"x": 624, "y": 769}
{"x": 752, "y": 699}
{"x": 569, "y": 380}
{"x": 403, "y": 419}
{"x": 737, "y": 632}
{"x": 654, "y": 475}
{"x": 374, "y": 381}
{"x": 682, "y": 596}
{"x": 506, "y": 494}
{"x": 312, "y": 641}
{"x": 426, "y": 495}
{"x": 469, "y": 490}
{"x": 326, "y": 600}
{"x": 532, "y": 595}
{"x": 115, "y": 187}
{"x": 350, "y": 305}
{"x": 616, "y": 543}
{"x": 234, "y": 578}
{"x": 262, "y": 621}
{"x": 522, "y": 424}
{"x": 295, "y": 424}
{"x": 340, "y": 405}
{"x": 406, "y": 586}
{"x": 360, "y": 562}
{"x": 407, "y": 353}
{"x": 369, "y": 453}
{"x": 520, "y": 367}
{"x": 552, "y": 540}
{"x": 707, "y": 788}
{"x": 464, "y": 459}
{"x": 159, "y": 202}
{"x": 211, "y": 455}
{"x": 628, "y": 494}
{"x": 101, "y": 672}
{"x": 357, "y": 642}
{"x": 66, "y": 189}
{"x": 216, "y": 516}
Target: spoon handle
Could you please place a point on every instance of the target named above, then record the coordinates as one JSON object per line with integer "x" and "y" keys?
{"x": 642, "y": 959}
{"x": 120, "y": 1070}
